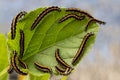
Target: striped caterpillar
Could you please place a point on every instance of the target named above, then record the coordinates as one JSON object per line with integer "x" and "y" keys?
{"x": 79, "y": 11}
{"x": 15, "y": 65}
{"x": 81, "y": 48}
{"x": 14, "y": 23}
{"x": 43, "y": 68}
{"x": 60, "y": 60}
{"x": 10, "y": 69}
{"x": 67, "y": 67}
{"x": 93, "y": 20}
{"x": 22, "y": 38}
{"x": 67, "y": 71}
{"x": 71, "y": 16}
{"x": 41, "y": 15}
{"x": 87, "y": 14}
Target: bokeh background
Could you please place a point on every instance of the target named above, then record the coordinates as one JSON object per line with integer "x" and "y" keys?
{"x": 103, "y": 61}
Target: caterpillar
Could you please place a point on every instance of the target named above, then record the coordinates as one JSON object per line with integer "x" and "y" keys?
{"x": 60, "y": 60}
{"x": 43, "y": 68}
{"x": 22, "y": 38}
{"x": 41, "y": 15}
{"x": 81, "y": 48}
{"x": 14, "y": 23}
{"x": 23, "y": 64}
{"x": 14, "y": 64}
{"x": 10, "y": 69}
{"x": 71, "y": 16}
{"x": 67, "y": 71}
{"x": 93, "y": 20}
{"x": 79, "y": 11}
{"x": 60, "y": 70}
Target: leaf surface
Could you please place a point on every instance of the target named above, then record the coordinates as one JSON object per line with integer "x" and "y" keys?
{"x": 3, "y": 58}
{"x": 49, "y": 34}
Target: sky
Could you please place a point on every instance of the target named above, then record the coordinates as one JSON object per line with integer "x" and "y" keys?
{"x": 102, "y": 63}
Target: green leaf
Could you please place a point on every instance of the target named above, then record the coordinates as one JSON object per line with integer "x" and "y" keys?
{"x": 35, "y": 77}
{"x": 64, "y": 78}
{"x": 49, "y": 34}
{"x": 3, "y": 58}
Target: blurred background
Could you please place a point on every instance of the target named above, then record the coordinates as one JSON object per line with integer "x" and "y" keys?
{"x": 103, "y": 61}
